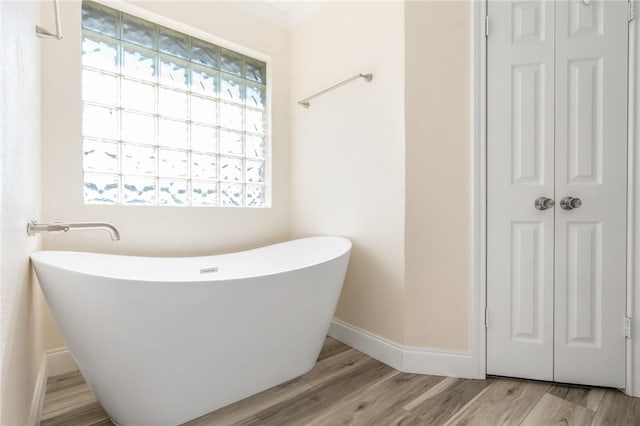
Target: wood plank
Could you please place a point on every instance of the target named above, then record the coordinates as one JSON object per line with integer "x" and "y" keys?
{"x": 326, "y": 396}
{"x": 106, "y": 422}
{"x": 380, "y": 403}
{"x": 432, "y": 392}
{"x": 245, "y": 409}
{"x": 440, "y": 407}
{"x": 506, "y": 401}
{"x": 83, "y": 415}
{"x": 332, "y": 347}
{"x": 67, "y": 399}
{"x": 325, "y": 370}
{"x": 552, "y": 410}
{"x": 581, "y": 395}
{"x": 335, "y": 366}
{"x": 64, "y": 381}
{"x": 251, "y": 421}
{"x": 616, "y": 409}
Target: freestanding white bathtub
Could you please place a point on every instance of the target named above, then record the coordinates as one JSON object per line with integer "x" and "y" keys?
{"x": 165, "y": 340}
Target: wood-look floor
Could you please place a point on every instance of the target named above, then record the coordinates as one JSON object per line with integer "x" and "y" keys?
{"x": 346, "y": 387}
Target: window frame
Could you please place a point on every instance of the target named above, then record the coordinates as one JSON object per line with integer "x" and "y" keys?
{"x": 220, "y": 42}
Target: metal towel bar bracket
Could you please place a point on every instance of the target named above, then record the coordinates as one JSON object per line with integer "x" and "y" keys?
{"x": 45, "y": 33}
{"x": 305, "y": 102}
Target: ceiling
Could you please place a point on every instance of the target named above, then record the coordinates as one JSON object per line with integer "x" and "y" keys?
{"x": 286, "y": 7}
{"x": 284, "y": 13}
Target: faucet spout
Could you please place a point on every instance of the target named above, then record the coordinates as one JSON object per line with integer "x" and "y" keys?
{"x": 105, "y": 226}
{"x": 34, "y": 227}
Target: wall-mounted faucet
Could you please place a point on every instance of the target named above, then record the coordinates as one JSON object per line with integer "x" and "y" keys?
{"x": 34, "y": 227}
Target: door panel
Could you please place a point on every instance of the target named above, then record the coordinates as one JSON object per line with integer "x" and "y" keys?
{"x": 591, "y": 164}
{"x": 584, "y": 127}
{"x": 527, "y": 285}
{"x": 584, "y": 284}
{"x": 527, "y": 150}
{"x": 556, "y": 127}
{"x": 520, "y": 163}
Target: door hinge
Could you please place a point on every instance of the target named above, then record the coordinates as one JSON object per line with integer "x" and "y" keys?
{"x": 627, "y": 327}
{"x": 486, "y": 317}
{"x": 631, "y": 10}
{"x": 486, "y": 26}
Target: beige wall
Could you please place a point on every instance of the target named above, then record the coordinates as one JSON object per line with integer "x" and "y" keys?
{"x": 387, "y": 164}
{"x": 358, "y": 171}
{"x": 438, "y": 173}
{"x": 21, "y": 346}
{"x": 347, "y": 152}
{"x": 157, "y": 231}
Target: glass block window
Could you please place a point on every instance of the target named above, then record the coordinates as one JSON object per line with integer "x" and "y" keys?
{"x": 169, "y": 119}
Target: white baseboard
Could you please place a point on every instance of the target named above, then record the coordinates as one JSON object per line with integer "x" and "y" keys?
{"x": 407, "y": 359}
{"x": 54, "y": 362}
{"x": 38, "y": 393}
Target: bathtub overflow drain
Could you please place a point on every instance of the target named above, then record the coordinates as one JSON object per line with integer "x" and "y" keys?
{"x": 207, "y": 270}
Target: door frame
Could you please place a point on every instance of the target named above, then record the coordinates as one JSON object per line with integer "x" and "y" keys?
{"x": 478, "y": 237}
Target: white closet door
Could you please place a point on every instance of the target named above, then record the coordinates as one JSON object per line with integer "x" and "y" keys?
{"x": 591, "y": 164}
{"x": 520, "y": 169}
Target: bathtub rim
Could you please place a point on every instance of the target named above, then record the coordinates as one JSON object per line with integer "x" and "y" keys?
{"x": 37, "y": 257}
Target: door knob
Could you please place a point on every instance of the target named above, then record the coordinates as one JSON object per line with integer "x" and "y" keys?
{"x": 570, "y": 203}
{"x": 544, "y": 203}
